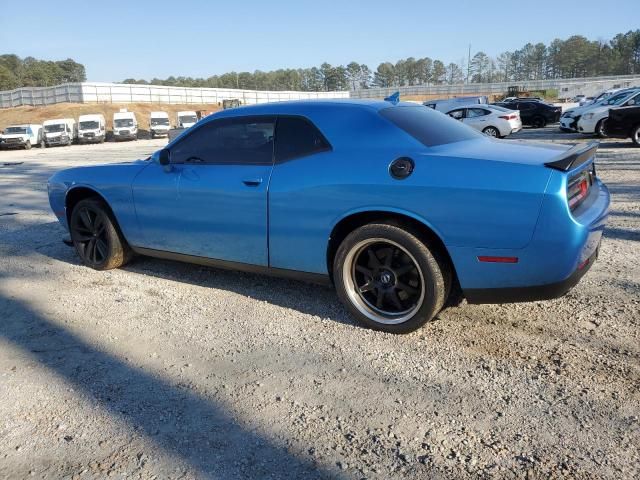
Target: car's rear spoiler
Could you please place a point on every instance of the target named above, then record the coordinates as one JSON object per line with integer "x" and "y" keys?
{"x": 574, "y": 157}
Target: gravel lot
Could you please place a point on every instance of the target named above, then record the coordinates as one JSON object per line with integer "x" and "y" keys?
{"x": 165, "y": 370}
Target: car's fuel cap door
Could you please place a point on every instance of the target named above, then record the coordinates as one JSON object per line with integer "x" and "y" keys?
{"x": 401, "y": 168}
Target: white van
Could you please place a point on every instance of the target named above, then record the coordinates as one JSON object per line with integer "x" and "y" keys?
{"x": 159, "y": 124}
{"x": 21, "y": 136}
{"x": 125, "y": 126}
{"x": 186, "y": 119}
{"x": 91, "y": 128}
{"x": 61, "y": 131}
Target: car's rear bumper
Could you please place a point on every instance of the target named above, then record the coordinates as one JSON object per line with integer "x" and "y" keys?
{"x": 562, "y": 248}
{"x": 530, "y": 293}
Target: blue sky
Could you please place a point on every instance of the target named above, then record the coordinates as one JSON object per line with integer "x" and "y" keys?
{"x": 145, "y": 39}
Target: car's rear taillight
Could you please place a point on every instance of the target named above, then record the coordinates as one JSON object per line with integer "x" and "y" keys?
{"x": 578, "y": 187}
{"x": 511, "y": 116}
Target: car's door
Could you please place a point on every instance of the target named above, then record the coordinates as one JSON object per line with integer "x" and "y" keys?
{"x": 211, "y": 201}
{"x": 527, "y": 111}
{"x": 476, "y": 118}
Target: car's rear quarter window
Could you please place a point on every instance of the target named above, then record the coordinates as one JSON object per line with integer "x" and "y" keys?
{"x": 428, "y": 126}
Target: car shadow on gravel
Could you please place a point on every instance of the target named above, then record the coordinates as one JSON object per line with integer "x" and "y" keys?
{"x": 308, "y": 298}
{"x": 195, "y": 430}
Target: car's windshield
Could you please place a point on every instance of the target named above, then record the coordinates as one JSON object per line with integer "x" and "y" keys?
{"x": 428, "y": 126}
{"x": 618, "y": 99}
{"x": 89, "y": 125}
{"x": 188, "y": 119}
{"x": 159, "y": 121}
{"x": 123, "y": 122}
{"x": 15, "y": 130}
{"x": 58, "y": 127}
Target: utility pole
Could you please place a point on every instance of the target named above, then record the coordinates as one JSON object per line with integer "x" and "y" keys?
{"x": 469, "y": 63}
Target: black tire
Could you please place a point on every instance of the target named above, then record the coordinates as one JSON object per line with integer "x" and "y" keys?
{"x": 635, "y": 135}
{"x": 390, "y": 266}
{"x": 96, "y": 236}
{"x": 27, "y": 145}
{"x": 491, "y": 132}
{"x": 601, "y": 128}
{"x": 538, "y": 122}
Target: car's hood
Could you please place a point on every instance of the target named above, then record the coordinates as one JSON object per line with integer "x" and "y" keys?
{"x": 98, "y": 176}
{"x": 14, "y": 135}
{"x": 509, "y": 151}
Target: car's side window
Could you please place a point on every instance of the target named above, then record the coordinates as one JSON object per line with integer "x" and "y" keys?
{"x": 457, "y": 114}
{"x": 297, "y": 137}
{"x": 476, "y": 112}
{"x": 246, "y": 140}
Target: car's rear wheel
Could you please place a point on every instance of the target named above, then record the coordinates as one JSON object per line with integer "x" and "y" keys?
{"x": 96, "y": 237}
{"x": 635, "y": 135}
{"x": 389, "y": 279}
{"x": 491, "y": 132}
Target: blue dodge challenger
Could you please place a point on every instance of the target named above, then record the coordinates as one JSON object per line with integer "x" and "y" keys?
{"x": 402, "y": 208}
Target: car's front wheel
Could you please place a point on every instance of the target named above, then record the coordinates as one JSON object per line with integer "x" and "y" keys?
{"x": 389, "y": 279}
{"x": 601, "y": 128}
{"x": 96, "y": 237}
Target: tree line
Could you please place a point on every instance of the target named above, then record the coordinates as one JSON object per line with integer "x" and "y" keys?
{"x": 18, "y": 72}
{"x": 576, "y": 56}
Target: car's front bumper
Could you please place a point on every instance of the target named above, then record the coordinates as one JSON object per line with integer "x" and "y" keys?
{"x": 569, "y": 124}
{"x": 588, "y": 125}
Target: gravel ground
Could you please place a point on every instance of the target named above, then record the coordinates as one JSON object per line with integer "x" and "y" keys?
{"x": 165, "y": 370}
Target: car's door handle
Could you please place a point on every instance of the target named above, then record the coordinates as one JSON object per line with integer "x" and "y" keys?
{"x": 252, "y": 182}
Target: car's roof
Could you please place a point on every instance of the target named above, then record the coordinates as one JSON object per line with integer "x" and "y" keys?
{"x": 309, "y": 105}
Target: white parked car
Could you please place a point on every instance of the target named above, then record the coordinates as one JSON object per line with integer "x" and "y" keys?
{"x": 21, "y": 136}
{"x": 91, "y": 128}
{"x": 61, "y": 131}
{"x": 492, "y": 120}
{"x": 125, "y": 126}
{"x": 159, "y": 124}
{"x": 569, "y": 119}
{"x": 593, "y": 120}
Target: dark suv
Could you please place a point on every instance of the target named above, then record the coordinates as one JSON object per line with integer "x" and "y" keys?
{"x": 534, "y": 112}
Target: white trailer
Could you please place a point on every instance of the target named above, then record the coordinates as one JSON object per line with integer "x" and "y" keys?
{"x": 91, "y": 128}
{"x": 125, "y": 126}
{"x": 159, "y": 124}
{"x": 61, "y": 131}
{"x": 21, "y": 136}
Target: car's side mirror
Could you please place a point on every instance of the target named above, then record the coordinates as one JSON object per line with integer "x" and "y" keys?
{"x": 164, "y": 159}
{"x": 631, "y": 102}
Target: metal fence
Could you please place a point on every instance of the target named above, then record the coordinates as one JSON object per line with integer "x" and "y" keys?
{"x": 566, "y": 88}
{"x": 122, "y": 93}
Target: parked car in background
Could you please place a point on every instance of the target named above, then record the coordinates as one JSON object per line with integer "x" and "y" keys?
{"x": 569, "y": 119}
{"x": 125, "y": 126}
{"x": 92, "y": 128}
{"x": 447, "y": 104}
{"x": 61, "y": 131}
{"x": 491, "y": 120}
{"x": 534, "y": 112}
{"x": 22, "y": 136}
{"x": 186, "y": 119}
{"x": 593, "y": 120}
{"x": 159, "y": 124}
{"x": 402, "y": 208}
{"x": 624, "y": 122}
